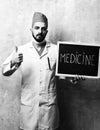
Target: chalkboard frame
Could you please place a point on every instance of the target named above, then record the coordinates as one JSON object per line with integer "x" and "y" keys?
{"x": 77, "y": 44}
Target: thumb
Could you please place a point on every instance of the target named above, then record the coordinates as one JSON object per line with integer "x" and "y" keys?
{"x": 16, "y": 48}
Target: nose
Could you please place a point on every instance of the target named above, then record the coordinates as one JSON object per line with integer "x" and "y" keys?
{"x": 40, "y": 30}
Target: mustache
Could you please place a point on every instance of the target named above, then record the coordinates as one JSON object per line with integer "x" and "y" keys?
{"x": 40, "y": 34}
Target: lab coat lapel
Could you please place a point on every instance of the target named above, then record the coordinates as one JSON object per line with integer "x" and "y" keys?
{"x": 45, "y": 51}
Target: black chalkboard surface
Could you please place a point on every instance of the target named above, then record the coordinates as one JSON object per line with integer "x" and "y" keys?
{"x": 77, "y": 59}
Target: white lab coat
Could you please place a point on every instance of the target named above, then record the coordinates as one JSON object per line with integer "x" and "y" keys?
{"x": 38, "y": 97}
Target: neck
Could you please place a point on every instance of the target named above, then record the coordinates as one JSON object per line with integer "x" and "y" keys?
{"x": 39, "y": 45}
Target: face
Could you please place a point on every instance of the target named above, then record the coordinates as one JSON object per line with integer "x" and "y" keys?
{"x": 39, "y": 31}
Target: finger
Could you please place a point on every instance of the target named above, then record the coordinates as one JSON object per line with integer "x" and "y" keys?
{"x": 20, "y": 58}
{"x": 76, "y": 77}
{"x": 83, "y": 78}
{"x": 79, "y": 77}
{"x": 20, "y": 54}
{"x": 16, "y": 48}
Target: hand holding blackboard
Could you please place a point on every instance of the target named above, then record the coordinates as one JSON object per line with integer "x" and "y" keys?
{"x": 77, "y": 78}
{"x": 73, "y": 80}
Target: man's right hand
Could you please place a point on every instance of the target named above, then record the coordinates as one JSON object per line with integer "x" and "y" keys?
{"x": 17, "y": 57}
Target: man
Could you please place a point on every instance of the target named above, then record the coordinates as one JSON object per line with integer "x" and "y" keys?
{"x": 36, "y": 62}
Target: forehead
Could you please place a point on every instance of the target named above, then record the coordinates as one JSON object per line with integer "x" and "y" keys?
{"x": 39, "y": 24}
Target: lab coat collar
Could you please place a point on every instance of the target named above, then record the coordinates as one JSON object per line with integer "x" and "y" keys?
{"x": 45, "y": 49}
{"x": 47, "y": 44}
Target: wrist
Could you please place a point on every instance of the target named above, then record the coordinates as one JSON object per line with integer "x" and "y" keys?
{"x": 11, "y": 64}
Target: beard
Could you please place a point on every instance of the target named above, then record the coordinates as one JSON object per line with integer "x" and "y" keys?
{"x": 39, "y": 37}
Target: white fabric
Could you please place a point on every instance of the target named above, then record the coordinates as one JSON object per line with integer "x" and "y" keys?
{"x": 38, "y": 98}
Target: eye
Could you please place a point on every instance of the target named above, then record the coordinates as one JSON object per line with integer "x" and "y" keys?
{"x": 36, "y": 27}
{"x": 44, "y": 29}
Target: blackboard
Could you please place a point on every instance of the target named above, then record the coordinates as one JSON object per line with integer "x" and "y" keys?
{"x": 78, "y": 59}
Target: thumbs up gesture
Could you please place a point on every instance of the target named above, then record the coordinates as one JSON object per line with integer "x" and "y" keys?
{"x": 17, "y": 57}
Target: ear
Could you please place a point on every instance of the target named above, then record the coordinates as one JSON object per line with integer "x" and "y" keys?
{"x": 46, "y": 31}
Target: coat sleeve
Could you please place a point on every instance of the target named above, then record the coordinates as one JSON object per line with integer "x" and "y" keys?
{"x": 7, "y": 68}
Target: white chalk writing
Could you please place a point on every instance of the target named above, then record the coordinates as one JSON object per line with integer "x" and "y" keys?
{"x": 77, "y": 58}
